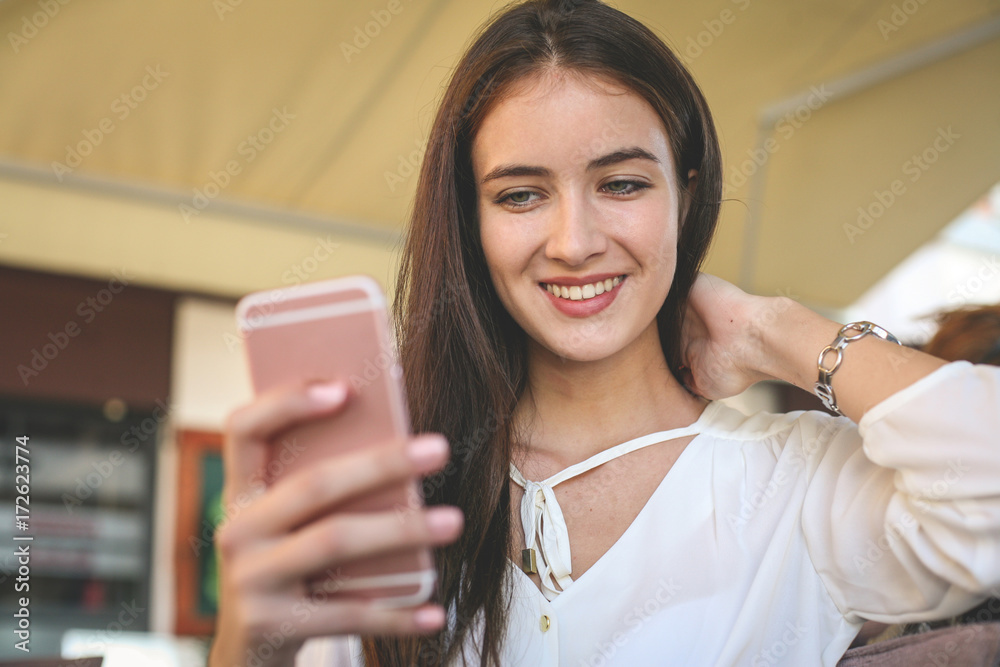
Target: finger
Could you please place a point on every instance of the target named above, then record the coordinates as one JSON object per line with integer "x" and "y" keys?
{"x": 367, "y": 618}
{"x": 311, "y": 617}
{"x": 300, "y": 496}
{"x": 250, "y": 429}
{"x": 338, "y": 540}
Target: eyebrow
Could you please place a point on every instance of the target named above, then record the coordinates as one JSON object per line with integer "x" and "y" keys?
{"x": 623, "y": 155}
{"x": 615, "y": 157}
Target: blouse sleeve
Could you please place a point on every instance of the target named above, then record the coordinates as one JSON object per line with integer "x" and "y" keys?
{"x": 328, "y": 652}
{"x": 901, "y": 515}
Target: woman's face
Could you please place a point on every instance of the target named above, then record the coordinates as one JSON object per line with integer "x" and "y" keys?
{"x": 577, "y": 195}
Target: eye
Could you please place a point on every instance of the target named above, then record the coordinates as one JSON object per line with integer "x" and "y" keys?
{"x": 624, "y": 187}
{"x": 517, "y": 199}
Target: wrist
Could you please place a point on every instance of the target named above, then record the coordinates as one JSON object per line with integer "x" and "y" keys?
{"x": 253, "y": 653}
{"x": 832, "y": 357}
{"x": 791, "y": 338}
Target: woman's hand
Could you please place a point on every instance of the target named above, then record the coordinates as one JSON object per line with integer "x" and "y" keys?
{"x": 722, "y": 342}
{"x": 732, "y": 339}
{"x": 267, "y": 554}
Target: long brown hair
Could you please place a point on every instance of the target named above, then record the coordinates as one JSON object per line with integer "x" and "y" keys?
{"x": 463, "y": 356}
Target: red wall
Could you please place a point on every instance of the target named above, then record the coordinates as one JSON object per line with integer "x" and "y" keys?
{"x": 95, "y": 339}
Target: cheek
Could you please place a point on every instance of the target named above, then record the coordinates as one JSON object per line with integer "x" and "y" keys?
{"x": 652, "y": 239}
{"x": 496, "y": 253}
{"x": 664, "y": 258}
{"x": 489, "y": 242}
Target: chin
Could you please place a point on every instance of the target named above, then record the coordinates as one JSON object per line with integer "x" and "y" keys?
{"x": 583, "y": 357}
{"x": 585, "y": 349}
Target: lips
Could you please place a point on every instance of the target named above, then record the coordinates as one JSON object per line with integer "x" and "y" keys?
{"x": 582, "y": 292}
{"x": 575, "y": 303}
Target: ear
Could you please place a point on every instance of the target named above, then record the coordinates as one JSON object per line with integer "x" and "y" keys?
{"x": 692, "y": 181}
{"x": 688, "y": 194}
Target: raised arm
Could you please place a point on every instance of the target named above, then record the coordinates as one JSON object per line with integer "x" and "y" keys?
{"x": 733, "y": 339}
{"x": 901, "y": 512}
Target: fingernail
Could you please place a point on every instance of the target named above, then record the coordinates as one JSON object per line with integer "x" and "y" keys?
{"x": 328, "y": 394}
{"x": 429, "y": 618}
{"x": 425, "y": 450}
{"x": 443, "y": 520}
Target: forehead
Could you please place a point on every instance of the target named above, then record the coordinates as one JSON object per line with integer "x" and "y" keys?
{"x": 561, "y": 116}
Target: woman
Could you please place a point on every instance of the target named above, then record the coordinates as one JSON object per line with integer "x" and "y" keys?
{"x": 554, "y": 328}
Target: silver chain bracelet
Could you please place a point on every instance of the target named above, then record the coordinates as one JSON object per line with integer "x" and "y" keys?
{"x": 823, "y": 387}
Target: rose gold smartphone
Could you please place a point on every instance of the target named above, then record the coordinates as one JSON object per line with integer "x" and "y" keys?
{"x": 338, "y": 329}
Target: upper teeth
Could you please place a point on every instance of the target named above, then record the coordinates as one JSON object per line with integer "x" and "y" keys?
{"x": 579, "y": 293}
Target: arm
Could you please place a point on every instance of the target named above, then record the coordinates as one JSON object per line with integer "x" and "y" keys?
{"x": 902, "y": 512}
{"x": 733, "y": 339}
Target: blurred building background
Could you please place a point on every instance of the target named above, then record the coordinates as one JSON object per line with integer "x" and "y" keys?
{"x": 159, "y": 160}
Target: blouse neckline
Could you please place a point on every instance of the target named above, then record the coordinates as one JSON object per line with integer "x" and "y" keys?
{"x": 542, "y": 519}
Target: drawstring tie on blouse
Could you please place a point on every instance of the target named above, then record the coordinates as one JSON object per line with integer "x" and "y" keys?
{"x": 546, "y": 538}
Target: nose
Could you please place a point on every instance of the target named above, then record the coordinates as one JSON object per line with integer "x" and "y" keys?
{"x": 575, "y": 232}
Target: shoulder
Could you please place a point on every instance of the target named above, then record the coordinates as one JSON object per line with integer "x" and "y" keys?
{"x": 957, "y": 400}
{"x": 762, "y": 444}
{"x": 727, "y": 424}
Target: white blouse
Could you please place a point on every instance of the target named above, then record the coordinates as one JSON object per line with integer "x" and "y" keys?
{"x": 771, "y": 538}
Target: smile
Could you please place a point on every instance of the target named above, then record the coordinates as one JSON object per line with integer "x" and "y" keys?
{"x": 583, "y": 292}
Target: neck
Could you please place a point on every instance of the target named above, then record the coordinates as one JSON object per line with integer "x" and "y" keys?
{"x": 575, "y": 409}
